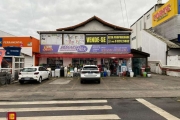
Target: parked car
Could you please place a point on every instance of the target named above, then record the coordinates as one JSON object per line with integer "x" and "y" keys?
{"x": 90, "y": 72}
{"x": 35, "y": 73}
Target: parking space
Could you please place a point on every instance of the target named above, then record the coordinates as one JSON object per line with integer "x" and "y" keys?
{"x": 110, "y": 87}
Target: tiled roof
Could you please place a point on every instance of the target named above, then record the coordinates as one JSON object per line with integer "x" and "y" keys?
{"x": 71, "y": 28}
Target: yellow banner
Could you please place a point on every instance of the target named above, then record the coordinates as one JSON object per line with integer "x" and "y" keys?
{"x": 118, "y": 39}
{"x": 165, "y": 12}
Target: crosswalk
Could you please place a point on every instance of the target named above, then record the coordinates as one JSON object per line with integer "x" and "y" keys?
{"x": 59, "y": 110}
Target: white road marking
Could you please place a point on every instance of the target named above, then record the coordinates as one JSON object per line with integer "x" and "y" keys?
{"x": 73, "y": 117}
{"x": 158, "y": 110}
{"x": 53, "y": 102}
{"x": 105, "y": 107}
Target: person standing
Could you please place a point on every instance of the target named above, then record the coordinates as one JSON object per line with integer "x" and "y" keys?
{"x": 65, "y": 71}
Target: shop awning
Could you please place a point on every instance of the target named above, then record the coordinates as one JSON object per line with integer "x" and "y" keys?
{"x": 86, "y": 55}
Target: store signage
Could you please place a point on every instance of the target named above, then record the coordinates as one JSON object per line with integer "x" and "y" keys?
{"x": 120, "y": 49}
{"x": 96, "y": 39}
{"x": 118, "y": 39}
{"x": 49, "y": 48}
{"x": 13, "y": 51}
{"x": 51, "y": 39}
{"x": 167, "y": 11}
{"x": 162, "y": 13}
{"x": 74, "y": 39}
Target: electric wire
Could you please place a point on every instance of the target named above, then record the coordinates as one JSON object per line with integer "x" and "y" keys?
{"x": 122, "y": 12}
{"x": 126, "y": 14}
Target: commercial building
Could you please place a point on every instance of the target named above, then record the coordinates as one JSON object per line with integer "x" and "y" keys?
{"x": 20, "y": 52}
{"x": 93, "y": 41}
{"x": 160, "y": 38}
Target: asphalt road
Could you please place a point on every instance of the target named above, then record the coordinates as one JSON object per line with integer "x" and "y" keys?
{"x": 124, "y": 109}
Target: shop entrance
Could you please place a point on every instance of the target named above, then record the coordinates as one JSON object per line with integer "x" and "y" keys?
{"x": 114, "y": 65}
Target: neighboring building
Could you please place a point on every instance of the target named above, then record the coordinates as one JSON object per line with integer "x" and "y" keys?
{"x": 20, "y": 52}
{"x": 5, "y": 34}
{"x": 144, "y": 22}
{"x": 162, "y": 38}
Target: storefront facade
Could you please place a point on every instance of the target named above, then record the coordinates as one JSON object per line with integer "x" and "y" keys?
{"x": 91, "y": 42}
{"x": 20, "y": 52}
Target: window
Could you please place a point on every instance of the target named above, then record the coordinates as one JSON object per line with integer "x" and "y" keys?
{"x": 148, "y": 16}
{"x": 29, "y": 70}
{"x": 19, "y": 63}
{"x": 134, "y": 38}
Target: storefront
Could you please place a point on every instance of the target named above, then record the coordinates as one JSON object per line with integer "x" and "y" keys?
{"x": 91, "y": 42}
{"x": 20, "y": 52}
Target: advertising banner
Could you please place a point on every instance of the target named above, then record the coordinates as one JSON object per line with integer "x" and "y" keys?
{"x": 2, "y": 53}
{"x": 96, "y": 39}
{"x": 13, "y": 51}
{"x": 51, "y": 39}
{"x": 165, "y": 12}
{"x": 74, "y": 39}
{"x": 120, "y": 49}
{"x": 118, "y": 39}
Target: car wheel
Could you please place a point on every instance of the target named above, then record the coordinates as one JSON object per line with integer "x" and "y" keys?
{"x": 82, "y": 81}
{"x": 49, "y": 76}
{"x": 99, "y": 81}
{"x": 40, "y": 80}
{"x": 21, "y": 82}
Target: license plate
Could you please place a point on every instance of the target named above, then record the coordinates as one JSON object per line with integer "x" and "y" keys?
{"x": 27, "y": 78}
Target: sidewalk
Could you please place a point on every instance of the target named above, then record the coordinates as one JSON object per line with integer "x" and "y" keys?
{"x": 110, "y": 87}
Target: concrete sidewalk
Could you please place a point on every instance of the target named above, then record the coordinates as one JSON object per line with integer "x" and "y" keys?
{"x": 110, "y": 87}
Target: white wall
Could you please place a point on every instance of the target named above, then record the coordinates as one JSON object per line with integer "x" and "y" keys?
{"x": 133, "y": 37}
{"x": 155, "y": 47}
{"x": 173, "y": 60}
{"x": 94, "y": 26}
{"x": 141, "y": 24}
{"x": 28, "y": 61}
{"x": 67, "y": 61}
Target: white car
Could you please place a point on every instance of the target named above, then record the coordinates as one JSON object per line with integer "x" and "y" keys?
{"x": 90, "y": 72}
{"x": 35, "y": 73}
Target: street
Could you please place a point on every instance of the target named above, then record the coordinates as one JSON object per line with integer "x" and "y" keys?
{"x": 155, "y": 98}
{"x": 124, "y": 109}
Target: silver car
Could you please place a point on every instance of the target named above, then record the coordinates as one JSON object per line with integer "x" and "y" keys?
{"x": 90, "y": 72}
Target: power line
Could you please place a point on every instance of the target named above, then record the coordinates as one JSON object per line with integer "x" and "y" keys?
{"x": 126, "y": 14}
{"x": 122, "y": 11}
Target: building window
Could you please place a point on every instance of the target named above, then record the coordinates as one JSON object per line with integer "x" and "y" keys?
{"x": 19, "y": 63}
{"x": 134, "y": 38}
{"x": 148, "y": 16}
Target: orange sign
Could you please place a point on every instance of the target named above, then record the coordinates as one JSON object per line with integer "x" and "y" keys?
{"x": 21, "y": 42}
{"x": 11, "y": 116}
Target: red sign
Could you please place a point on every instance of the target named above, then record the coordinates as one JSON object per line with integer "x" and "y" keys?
{"x": 2, "y": 53}
{"x": 11, "y": 116}
{"x": 162, "y": 13}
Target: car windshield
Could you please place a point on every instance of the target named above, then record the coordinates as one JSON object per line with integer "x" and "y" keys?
{"x": 29, "y": 69}
{"x": 90, "y": 68}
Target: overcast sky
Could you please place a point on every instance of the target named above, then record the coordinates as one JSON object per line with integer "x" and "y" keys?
{"x": 26, "y": 17}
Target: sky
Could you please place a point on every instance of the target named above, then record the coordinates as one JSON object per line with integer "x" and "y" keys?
{"x": 26, "y": 17}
